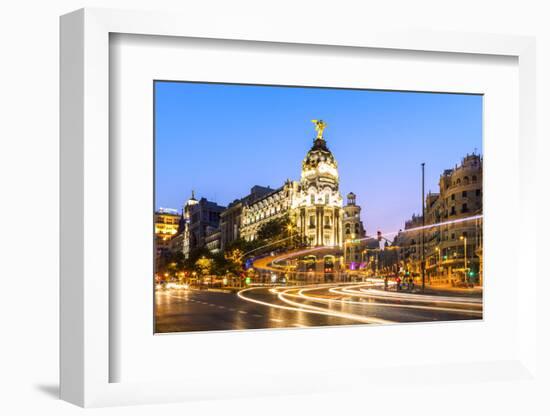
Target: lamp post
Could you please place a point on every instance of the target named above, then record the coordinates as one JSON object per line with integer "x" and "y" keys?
{"x": 438, "y": 260}
{"x": 423, "y": 253}
{"x": 289, "y": 228}
{"x": 465, "y": 258}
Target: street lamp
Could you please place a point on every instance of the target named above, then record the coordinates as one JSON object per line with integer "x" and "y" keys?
{"x": 465, "y": 258}
{"x": 438, "y": 260}
{"x": 289, "y": 228}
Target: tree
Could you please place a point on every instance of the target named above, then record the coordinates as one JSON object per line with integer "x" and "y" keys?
{"x": 242, "y": 245}
{"x": 191, "y": 262}
{"x": 204, "y": 265}
{"x": 219, "y": 265}
{"x": 272, "y": 229}
{"x": 281, "y": 229}
{"x": 234, "y": 260}
{"x": 169, "y": 263}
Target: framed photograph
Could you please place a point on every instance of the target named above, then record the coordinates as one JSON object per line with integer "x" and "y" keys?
{"x": 237, "y": 209}
{"x": 300, "y": 253}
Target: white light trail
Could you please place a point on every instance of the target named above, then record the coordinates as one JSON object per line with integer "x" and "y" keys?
{"x": 424, "y": 298}
{"x": 297, "y": 307}
{"x": 365, "y": 319}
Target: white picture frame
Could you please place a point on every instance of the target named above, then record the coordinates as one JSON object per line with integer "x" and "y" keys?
{"x": 85, "y": 211}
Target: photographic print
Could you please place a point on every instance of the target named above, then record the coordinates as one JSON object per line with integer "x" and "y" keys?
{"x": 294, "y": 207}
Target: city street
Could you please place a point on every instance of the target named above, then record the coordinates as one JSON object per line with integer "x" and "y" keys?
{"x": 183, "y": 310}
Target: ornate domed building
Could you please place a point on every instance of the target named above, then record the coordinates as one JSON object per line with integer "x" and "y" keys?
{"x": 314, "y": 205}
{"x": 317, "y": 207}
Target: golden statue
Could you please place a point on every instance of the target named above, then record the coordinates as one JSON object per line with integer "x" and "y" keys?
{"x": 320, "y": 125}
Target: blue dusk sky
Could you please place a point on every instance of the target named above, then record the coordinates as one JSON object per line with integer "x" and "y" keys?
{"x": 221, "y": 140}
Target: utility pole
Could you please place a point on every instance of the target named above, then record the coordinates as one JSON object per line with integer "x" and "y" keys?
{"x": 423, "y": 261}
{"x": 462, "y": 237}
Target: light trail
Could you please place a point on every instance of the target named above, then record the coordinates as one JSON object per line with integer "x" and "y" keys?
{"x": 425, "y": 227}
{"x": 387, "y": 305}
{"x": 422, "y": 298}
{"x": 297, "y": 307}
{"x": 293, "y": 299}
{"x": 441, "y": 224}
{"x": 350, "y": 290}
{"x": 365, "y": 319}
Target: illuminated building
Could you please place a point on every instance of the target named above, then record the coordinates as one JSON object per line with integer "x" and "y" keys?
{"x": 231, "y": 218}
{"x": 200, "y": 218}
{"x": 186, "y": 223}
{"x": 453, "y": 250}
{"x": 166, "y": 227}
{"x": 354, "y": 233}
{"x": 460, "y": 196}
{"x": 313, "y": 205}
{"x": 212, "y": 240}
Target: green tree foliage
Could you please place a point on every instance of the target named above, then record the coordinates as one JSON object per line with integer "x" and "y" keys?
{"x": 242, "y": 245}
{"x": 234, "y": 260}
{"x": 275, "y": 229}
{"x": 204, "y": 265}
{"x": 190, "y": 263}
{"x": 272, "y": 235}
{"x": 170, "y": 262}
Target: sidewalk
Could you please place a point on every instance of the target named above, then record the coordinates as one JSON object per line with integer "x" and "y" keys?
{"x": 476, "y": 291}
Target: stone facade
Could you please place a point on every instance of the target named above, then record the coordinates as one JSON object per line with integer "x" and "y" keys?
{"x": 314, "y": 205}
{"x": 213, "y": 240}
{"x": 200, "y": 217}
{"x": 354, "y": 234}
{"x": 231, "y": 218}
{"x": 454, "y": 249}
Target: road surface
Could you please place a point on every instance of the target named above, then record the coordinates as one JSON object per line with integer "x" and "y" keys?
{"x": 183, "y": 310}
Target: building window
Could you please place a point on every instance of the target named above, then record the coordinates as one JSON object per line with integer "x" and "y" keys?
{"x": 453, "y": 212}
{"x": 311, "y": 222}
{"x": 478, "y": 192}
{"x": 452, "y": 197}
{"x": 326, "y": 199}
{"x": 474, "y": 178}
{"x": 312, "y": 199}
{"x": 464, "y": 207}
{"x": 464, "y": 194}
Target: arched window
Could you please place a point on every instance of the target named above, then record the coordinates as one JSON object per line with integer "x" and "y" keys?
{"x": 474, "y": 178}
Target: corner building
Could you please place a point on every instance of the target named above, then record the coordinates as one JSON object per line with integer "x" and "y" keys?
{"x": 314, "y": 204}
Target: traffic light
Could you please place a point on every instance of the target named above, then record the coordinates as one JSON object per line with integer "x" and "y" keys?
{"x": 445, "y": 257}
{"x": 379, "y": 235}
{"x": 472, "y": 273}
